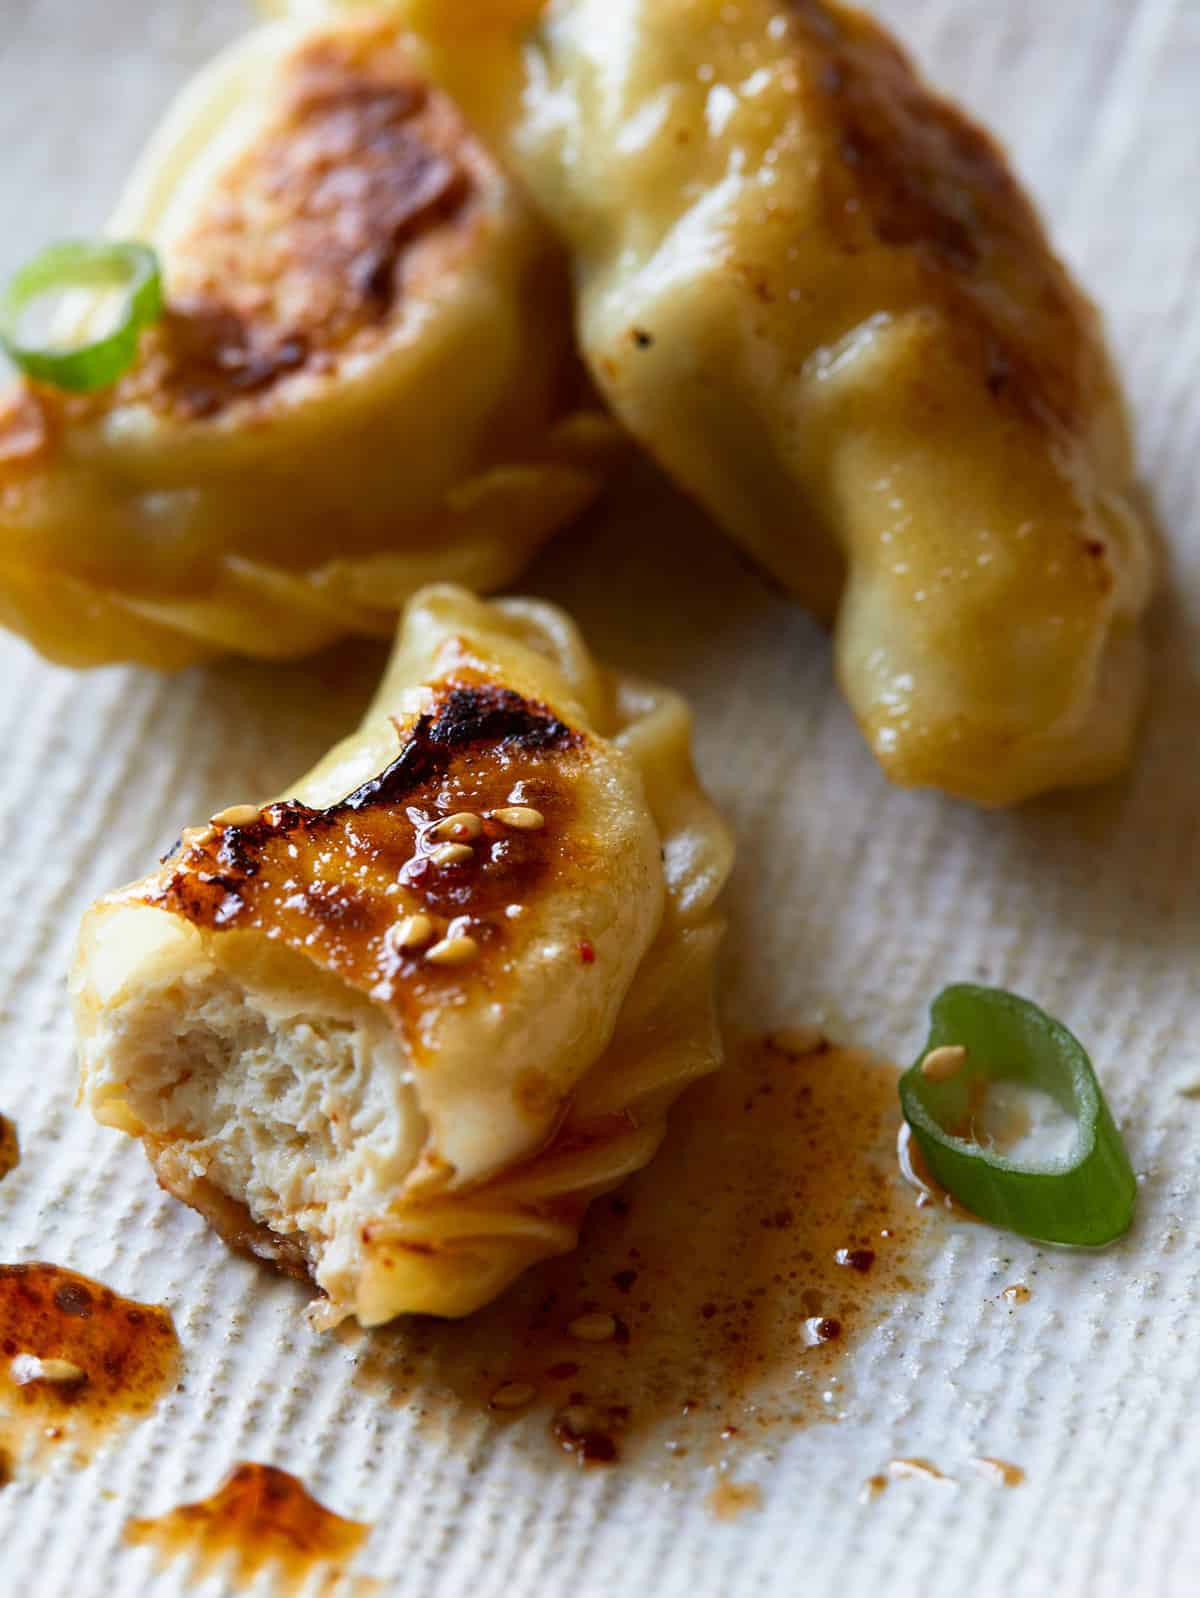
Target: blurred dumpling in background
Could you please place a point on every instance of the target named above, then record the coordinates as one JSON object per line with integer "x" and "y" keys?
{"x": 363, "y": 378}
{"x": 396, "y": 1031}
{"x": 813, "y": 290}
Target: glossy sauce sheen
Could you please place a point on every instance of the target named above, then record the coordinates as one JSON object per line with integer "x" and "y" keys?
{"x": 259, "y": 1517}
{"x": 769, "y": 1234}
{"x": 128, "y": 1353}
{"x": 10, "y": 1149}
{"x": 332, "y": 883}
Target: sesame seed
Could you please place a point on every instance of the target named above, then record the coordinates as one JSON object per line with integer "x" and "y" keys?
{"x": 236, "y": 816}
{"x": 414, "y": 932}
{"x": 513, "y": 1395}
{"x": 523, "y": 818}
{"x": 61, "y": 1372}
{"x": 597, "y": 1327}
{"x": 939, "y": 1065}
{"x": 453, "y": 951}
{"x": 916, "y": 1467}
{"x": 196, "y": 837}
{"x": 462, "y": 827}
{"x": 452, "y": 854}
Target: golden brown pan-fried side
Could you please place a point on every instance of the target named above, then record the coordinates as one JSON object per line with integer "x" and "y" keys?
{"x": 363, "y": 379}
{"x": 397, "y": 1029}
{"x": 814, "y": 291}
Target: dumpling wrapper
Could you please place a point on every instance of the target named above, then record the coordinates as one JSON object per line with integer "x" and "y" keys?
{"x": 815, "y": 293}
{"x": 415, "y": 1134}
{"x": 364, "y": 380}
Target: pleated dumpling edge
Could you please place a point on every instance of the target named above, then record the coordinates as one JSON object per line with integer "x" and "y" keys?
{"x": 396, "y": 1031}
{"x": 363, "y": 380}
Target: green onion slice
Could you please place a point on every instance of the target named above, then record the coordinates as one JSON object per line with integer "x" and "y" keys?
{"x": 79, "y": 264}
{"x": 1086, "y": 1198}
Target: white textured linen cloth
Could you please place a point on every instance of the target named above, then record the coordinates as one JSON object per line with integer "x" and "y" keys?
{"x": 852, "y": 903}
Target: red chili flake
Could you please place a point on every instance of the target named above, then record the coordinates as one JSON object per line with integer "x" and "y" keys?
{"x": 587, "y": 952}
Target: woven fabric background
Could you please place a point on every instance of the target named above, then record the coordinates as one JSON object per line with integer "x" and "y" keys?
{"x": 851, "y": 903}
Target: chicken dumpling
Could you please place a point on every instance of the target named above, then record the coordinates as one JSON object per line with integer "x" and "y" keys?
{"x": 396, "y": 1030}
{"x": 363, "y": 380}
{"x": 814, "y": 292}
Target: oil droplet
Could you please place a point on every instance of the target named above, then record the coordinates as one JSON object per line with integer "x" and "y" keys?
{"x": 729, "y": 1499}
{"x": 999, "y": 1471}
{"x": 917, "y": 1174}
{"x": 589, "y": 1432}
{"x": 120, "y": 1356}
{"x": 261, "y": 1517}
{"x": 872, "y": 1488}
{"x": 10, "y": 1149}
{"x": 1018, "y": 1293}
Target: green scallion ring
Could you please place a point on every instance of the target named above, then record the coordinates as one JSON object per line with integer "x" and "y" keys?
{"x": 80, "y": 264}
{"x": 1087, "y": 1198}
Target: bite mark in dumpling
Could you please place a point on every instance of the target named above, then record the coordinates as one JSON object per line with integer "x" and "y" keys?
{"x": 398, "y": 1028}
{"x": 362, "y": 381}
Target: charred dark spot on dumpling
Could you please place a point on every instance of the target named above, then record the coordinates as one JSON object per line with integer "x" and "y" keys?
{"x": 490, "y": 712}
{"x": 217, "y": 356}
{"x": 467, "y": 715}
{"x": 909, "y": 171}
{"x": 300, "y": 254}
{"x": 914, "y": 159}
{"x": 372, "y": 888}
{"x": 238, "y": 848}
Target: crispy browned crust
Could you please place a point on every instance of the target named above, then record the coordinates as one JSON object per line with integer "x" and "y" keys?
{"x": 229, "y": 1218}
{"x": 333, "y": 883}
{"x": 365, "y": 185}
{"x": 909, "y": 170}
